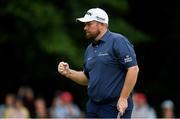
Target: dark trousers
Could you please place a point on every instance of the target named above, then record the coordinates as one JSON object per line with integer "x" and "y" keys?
{"x": 104, "y": 110}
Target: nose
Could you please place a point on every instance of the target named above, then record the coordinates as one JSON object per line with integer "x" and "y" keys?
{"x": 85, "y": 27}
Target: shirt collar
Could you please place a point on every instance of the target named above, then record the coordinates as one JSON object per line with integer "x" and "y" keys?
{"x": 102, "y": 40}
{"x": 105, "y": 36}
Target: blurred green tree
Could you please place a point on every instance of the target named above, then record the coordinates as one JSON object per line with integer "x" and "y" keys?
{"x": 52, "y": 26}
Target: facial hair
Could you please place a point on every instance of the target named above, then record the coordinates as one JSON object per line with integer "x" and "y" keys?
{"x": 92, "y": 35}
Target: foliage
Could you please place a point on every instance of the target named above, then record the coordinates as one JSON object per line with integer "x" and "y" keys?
{"x": 46, "y": 25}
{"x": 133, "y": 34}
{"x": 51, "y": 27}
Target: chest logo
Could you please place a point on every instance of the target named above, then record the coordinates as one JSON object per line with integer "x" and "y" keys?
{"x": 103, "y": 54}
{"x": 89, "y": 58}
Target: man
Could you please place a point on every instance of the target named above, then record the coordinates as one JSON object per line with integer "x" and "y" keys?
{"x": 110, "y": 69}
{"x": 141, "y": 107}
{"x": 167, "y": 107}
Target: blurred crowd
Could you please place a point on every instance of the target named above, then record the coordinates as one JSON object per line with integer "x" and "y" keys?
{"x": 143, "y": 110}
{"x": 25, "y": 105}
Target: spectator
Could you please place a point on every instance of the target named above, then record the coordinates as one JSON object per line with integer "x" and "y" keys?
{"x": 27, "y": 95}
{"x": 9, "y": 103}
{"x": 40, "y": 108}
{"x": 18, "y": 111}
{"x": 63, "y": 107}
{"x": 167, "y": 109}
{"x": 141, "y": 107}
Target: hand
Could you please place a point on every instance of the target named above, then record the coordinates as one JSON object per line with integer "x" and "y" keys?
{"x": 63, "y": 69}
{"x": 122, "y": 105}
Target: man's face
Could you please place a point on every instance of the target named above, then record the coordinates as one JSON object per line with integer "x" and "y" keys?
{"x": 92, "y": 29}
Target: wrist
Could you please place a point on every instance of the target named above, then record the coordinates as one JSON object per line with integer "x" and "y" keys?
{"x": 69, "y": 72}
{"x": 123, "y": 98}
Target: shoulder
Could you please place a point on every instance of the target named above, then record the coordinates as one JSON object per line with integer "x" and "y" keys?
{"x": 89, "y": 47}
{"x": 117, "y": 37}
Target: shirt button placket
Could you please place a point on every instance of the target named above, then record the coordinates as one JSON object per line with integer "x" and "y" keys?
{"x": 95, "y": 50}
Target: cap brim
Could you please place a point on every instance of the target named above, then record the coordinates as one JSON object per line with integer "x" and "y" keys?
{"x": 84, "y": 19}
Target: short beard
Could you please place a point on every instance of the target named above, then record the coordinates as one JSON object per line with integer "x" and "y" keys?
{"x": 93, "y": 36}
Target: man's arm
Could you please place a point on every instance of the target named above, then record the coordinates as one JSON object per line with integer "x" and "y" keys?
{"x": 130, "y": 81}
{"x": 76, "y": 76}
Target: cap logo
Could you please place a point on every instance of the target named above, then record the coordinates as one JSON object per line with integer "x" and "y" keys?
{"x": 94, "y": 14}
{"x": 100, "y": 18}
{"x": 88, "y": 13}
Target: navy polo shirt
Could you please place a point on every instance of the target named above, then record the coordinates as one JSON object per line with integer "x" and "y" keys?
{"x": 106, "y": 65}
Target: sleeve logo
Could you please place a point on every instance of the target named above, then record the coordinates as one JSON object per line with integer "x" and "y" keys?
{"x": 127, "y": 59}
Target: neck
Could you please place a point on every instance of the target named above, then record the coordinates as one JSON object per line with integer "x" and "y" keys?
{"x": 101, "y": 34}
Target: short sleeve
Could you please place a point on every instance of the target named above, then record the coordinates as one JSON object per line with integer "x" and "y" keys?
{"x": 124, "y": 51}
{"x": 85, "y": 71}
{"x": 84, "y": 65}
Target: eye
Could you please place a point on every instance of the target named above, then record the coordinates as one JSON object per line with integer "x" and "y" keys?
{"x": 87, "y": 24}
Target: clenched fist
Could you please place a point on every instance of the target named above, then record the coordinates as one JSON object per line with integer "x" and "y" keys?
{"x": 63, "y": 69}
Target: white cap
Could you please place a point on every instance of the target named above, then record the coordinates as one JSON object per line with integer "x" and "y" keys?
{"x": 168, "y": 104}
{"x": 95, "y": 14}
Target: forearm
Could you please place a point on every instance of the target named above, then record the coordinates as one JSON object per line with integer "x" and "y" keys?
{"x": 130, "y": 81}
{"x": 78, "y": 77}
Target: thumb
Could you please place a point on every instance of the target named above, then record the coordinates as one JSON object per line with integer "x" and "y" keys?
{"x": 64, "y": 63}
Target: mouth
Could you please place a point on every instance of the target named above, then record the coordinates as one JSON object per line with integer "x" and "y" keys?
{"x": 87, "y": 33}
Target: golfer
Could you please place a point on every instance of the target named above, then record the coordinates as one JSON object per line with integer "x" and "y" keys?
{"x": 110, "y": 68}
